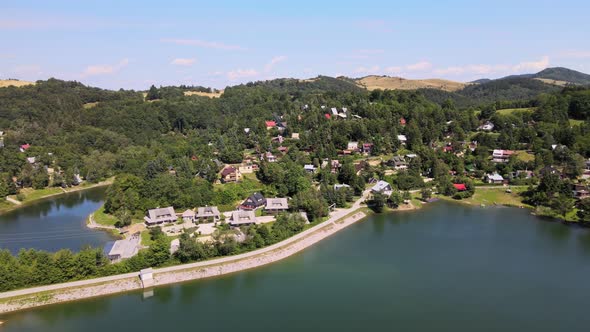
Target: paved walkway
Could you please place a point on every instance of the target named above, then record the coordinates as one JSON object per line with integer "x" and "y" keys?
{"x": 334, "y": 216}
{"x": 13, "y": 201}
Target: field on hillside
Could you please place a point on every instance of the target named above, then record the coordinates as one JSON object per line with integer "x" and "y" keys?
{"x": 553, "y": 82}
{"x": 512, "y": 110}
{"x": 398, "y": 83}
{"x": 17, "y": 83}
{"x": 204, "y": 94}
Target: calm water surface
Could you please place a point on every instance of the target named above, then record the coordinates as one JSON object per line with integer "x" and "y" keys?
{"x": 54, "y": 223}
{"x": 444, "y": 268}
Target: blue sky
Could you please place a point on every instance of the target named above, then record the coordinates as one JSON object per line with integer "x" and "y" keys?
{"x": 133, "y": 44}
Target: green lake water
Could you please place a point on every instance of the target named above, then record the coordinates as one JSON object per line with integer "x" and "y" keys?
{"x": 54, "y": 223}
{"x": 444, "y": 268}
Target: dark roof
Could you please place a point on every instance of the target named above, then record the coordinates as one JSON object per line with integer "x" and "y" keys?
{"x": 256, "y": 199}
{"x": 227, "y": 171}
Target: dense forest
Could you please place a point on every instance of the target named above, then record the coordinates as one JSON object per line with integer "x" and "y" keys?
{"x": 167, "y": 148}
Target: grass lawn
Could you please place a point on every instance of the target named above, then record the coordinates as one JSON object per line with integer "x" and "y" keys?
{"x": 524, "y": 156}
{"x": 102, "y": 218}
{"x": 33, "y": 194}
{"x": 575, "y": 122}
{"x": 5, "y": 205}
{"x": 495, "y": 196}
{"x": 507, "y": 111}
{"x": 145, "y": 238}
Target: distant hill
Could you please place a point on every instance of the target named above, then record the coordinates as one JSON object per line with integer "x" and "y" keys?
{"x": 397, "y": 83}
{"x": 13, "y": 82}
{"x": 561, "y": 74}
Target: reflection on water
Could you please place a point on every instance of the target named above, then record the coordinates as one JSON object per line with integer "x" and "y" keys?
{"x": 53, "y": 223}
{"x": 444, "y": 268}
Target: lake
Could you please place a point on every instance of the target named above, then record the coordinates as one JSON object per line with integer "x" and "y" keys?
{"x": 446, "y": 267}
{"x": 54, "y": 223}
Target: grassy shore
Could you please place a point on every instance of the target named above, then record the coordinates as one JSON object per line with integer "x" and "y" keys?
{"x": 103, "y": 218}
{"x": 30, "y": 195}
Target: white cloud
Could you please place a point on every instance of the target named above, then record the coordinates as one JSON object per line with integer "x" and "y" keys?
{"x": 485, "y": 69}
{"x": 204, "y": 44}
{"x": 274, "y": 61}
{"x": 419, "y": 66}
{"x": 95, "y": 70}
{"x": 235, "y": 75}
{"x": 532, "y": 65}
{"x": 183, "y": 62}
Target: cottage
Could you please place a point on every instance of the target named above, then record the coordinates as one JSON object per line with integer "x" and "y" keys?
{"x": 242, "y": 218}
{"x": 122, "y": 249}
{"x": 352, "y": 146}
{"x": 24, "y": 147}
{"x": 382, "y": 187}
{"x": 31, "y": 160}
{"x": 494, "y": 178}
{"x": 581, "y": 191}
{"x": 309, "y": 168}
{"x": 367, "y": 148}
{"x": 334, "y": 111}
{"x": 247, "y": 130}
{"x": 230, "y": 174}
{"x": 460, "y": 186}
{"x": 270, "y": 124}
{"x": 547, "y": 170}
{"x": 501, "y": 156}
{"x": 188, "y": 216}
{"x": 402, "y": 138}
{"x": 398, "y": 162}
{"x": 208, "y": 214}
{"x": 520, "y": 174}
{"x": 269, "y": 157}
{"x": 279, "y": 139}
{"x": 487, "y": 126}
{"x": 160, "y": 216}
{"x": 276, "y": 205}
{"x": 283, "y": 149}
{"x": 253, "y": 202}
{"x": 246, "y": 168}
{"x": 295, "y": 136}
{"x": 402, "y": 122}
{"x": 341, "y": 186}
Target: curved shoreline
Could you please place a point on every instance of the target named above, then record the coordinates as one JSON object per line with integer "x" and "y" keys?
{"x": 64, "y": 192}
{"x": 44, "y": 295}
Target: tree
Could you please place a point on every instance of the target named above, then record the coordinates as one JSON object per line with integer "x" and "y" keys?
{"x": 563, "y": 205}
{"x": 584, "y": 211}
{"x": 426, "y": 194}
{"x": 377, "y": 203}
{"x": 153, "y": 93}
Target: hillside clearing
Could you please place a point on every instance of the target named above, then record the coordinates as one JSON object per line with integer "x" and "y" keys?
{"x": 507, "y": 111}
{"x": 398, "y": 83}
{"x": 17, "y": 83}
{"x": 204, "y": 94}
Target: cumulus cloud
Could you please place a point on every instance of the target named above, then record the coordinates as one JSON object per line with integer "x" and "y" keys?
{"x": 485, "y": 69}
{"x": 273, "y": 62}
{"x": 183, "y": 62}
{"x": 95, "y": 70}
{"x": 235, "y": 75}
{"x": 419, "y": 66}
{"x": 203, "y": 44}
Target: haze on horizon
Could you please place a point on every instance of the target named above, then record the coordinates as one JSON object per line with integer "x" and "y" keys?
{"x": 135, "y": 44}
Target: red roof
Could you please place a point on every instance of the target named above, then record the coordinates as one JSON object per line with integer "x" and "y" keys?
{"x": 328, "y": 116}
{"x": 271, "y": 124}
{"x": 25, "y": 146}
{"x": 402, "y": 121}
{"x": 459, "y": 186}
